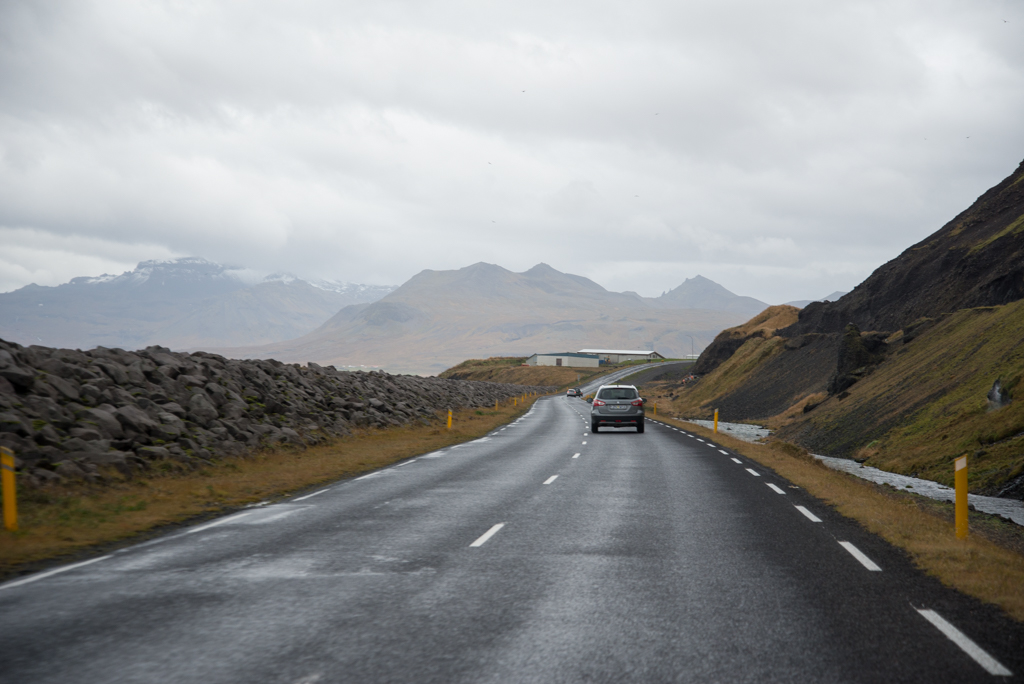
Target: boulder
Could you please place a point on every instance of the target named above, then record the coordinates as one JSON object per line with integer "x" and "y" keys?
{"x": 15, "y": 424}
{"x": 174, "y": 408}
{"x": 87, "y": 433}
{"x": 66, "y": 390}
{"x": 18, "y": 376}
{"x": 200, "y": 410}
{"x": 105, "y": 421}
{"x": 115, "y": 371}
{"x": 136, "y": 419}
{"x": 153, "y": 452}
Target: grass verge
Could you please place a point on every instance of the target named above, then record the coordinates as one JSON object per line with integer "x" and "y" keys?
{"x": 63, "y": 523}
{"x": 988, "y": 565}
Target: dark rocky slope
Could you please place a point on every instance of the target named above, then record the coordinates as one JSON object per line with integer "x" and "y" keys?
{"x": 67, "y": 413}
{"x": 902, "y": 371}
{"x": 977, "y": 259}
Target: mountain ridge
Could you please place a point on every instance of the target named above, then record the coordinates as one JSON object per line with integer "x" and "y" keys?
{"x": 186, "y": 303}
{"x": 439, "y": 318}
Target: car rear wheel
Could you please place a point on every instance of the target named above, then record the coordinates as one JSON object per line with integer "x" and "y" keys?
{"x": 593, "y": 427}
{"x": 640, "y": 425}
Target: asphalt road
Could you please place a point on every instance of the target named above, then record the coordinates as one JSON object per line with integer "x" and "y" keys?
{"x": 540, "y": 553}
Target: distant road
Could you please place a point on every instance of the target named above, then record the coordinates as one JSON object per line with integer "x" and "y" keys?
{"x": 540, "y": 553}
{"x": 611, "y": 378}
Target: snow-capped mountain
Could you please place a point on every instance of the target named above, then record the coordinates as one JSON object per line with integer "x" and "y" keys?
{"x": 187, "y": 303}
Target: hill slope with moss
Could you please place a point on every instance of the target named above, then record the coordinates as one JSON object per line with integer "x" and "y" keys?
{"x": 932, "y": 377}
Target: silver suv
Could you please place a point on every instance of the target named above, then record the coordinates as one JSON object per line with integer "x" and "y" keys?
{"x": 617, "y": 406}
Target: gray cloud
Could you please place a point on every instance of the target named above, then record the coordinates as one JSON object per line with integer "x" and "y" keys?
{"x": 783, "y": 149}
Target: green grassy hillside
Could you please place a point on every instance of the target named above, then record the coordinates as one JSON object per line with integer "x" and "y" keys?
{"x": 926, "y": 404}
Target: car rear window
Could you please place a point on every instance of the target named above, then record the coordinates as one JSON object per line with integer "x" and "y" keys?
{"x": 617, "y": 393}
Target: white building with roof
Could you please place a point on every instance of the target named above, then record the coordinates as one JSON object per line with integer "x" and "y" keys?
{"x": 571, "y": 359}
{"x": 620, "y": 355}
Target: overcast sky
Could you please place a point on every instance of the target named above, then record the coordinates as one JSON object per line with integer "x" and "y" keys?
{"x": 782, "y": 149}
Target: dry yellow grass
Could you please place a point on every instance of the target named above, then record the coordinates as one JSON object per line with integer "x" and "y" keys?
{"x": 62, "y": 522}
{"x": 975, "y": 566}
{"x": 768, "y": 321}
{"x": 512, "y": 371}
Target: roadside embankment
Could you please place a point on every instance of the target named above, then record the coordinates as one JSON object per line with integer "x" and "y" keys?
{"x": 70, "y": 415}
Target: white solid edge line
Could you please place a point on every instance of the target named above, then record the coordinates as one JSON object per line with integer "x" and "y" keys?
{"x": 551, "y": 479}
{"x": 307, "y": 496}
{"x": 736, "y": 460}
{"x": 487, "y": 535}
{"x": 230, "y": 518}
{"x": 810, "y": 516}
{"x": 859, "y": 555}
{"x": 753, "y": 472}
{"x": 723, "y": 451}
{"x": 774, "y": 488}
{"x": 50, "y": 573}
{"x": 993, "y": 666}
{"x": 576, "y": 455}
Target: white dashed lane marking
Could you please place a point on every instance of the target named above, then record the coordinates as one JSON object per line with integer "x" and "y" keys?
{"x": 50, "y": 573}
{"x": 487, "y": 535}
{"x": 723, "y": 451}
{"x": 774, "y": 488}
{"x": 859, "y": 555}
{"x": 551, "y": 479}
{"x": 736, "y": 460}
{"x": 993, "y": 666}
{"x": 810, "y": 516}
{"x": 230, "y": 518}
{"x": 753, "y": 472}
{"x": 309, "y": 496}
{"x": 576, "y": 455}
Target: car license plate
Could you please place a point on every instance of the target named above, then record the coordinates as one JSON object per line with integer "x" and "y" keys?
{"x": 618, "y": 408}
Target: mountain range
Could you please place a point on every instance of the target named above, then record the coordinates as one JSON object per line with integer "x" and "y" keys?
{"x": 433, "y": 321}
{"x": 188, "y": 303}
{"x": 440, "y": 318}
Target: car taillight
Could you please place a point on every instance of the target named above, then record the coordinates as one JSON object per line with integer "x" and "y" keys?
{"x": 598, "y": 402}
{"x": 637, "y": 402}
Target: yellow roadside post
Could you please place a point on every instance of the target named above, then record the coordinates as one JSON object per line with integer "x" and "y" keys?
{"x": 10, "y": 497}
{"x": 449, "y": 419}
{"x": 716, "y": 421}
{"x": 960, "y": 481}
